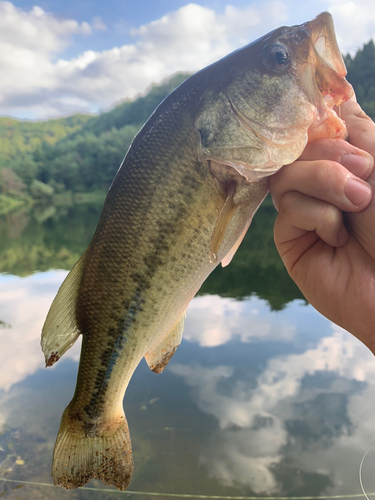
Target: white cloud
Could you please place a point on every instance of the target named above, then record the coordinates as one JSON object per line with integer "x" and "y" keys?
{"x": 35, "y": 83}
{"x": 354, "y": 22}
{"x": 185, "y": 40}
{"x": 97, "y": 24}
{"x": 29, "y": 44}
{"x": 38, "y": 81}
{"x": 241, "y": 22}
{"x": 36, "y": 30}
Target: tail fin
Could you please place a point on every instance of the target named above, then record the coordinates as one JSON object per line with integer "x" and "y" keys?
{"x": 77, "y": 458}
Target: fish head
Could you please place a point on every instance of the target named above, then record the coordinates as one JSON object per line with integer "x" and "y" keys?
{"x": 322, "y": 76}
{"x": 267, "y": 100}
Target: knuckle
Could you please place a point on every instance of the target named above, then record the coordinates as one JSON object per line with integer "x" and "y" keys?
{"x": 331, "y": 216}
{"x": 338, "y": 147}
{"x": 325, "y": 170}
{"x": 287, "y": 203}
{"x": 329, "y": 146}
{"x": 329, "y": 224}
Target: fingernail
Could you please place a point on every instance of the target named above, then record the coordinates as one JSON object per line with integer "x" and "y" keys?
{"x": 357, "y": 191}
{"x": 357, "y": 164}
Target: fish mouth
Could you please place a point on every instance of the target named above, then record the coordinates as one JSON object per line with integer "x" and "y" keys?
{"x": 323, "y": 78}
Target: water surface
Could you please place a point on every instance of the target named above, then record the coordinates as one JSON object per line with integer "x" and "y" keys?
{"x": 264, "y": 397}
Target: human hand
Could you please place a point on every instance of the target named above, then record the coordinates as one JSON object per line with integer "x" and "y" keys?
{"x": 328, "y": 253}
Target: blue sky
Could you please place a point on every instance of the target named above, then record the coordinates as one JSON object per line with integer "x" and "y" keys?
{"x": 58, "y": 58}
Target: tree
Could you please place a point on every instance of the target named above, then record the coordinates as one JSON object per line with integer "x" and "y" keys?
{"x": 361, "y": 74}
{"x": 10, "y": 182}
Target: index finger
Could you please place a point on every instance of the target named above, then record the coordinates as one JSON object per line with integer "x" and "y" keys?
{"x": 357, "y": 161}
{"x": 361, "y": 128}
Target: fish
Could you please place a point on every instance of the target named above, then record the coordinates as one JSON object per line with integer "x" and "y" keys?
{"x": 179, "y": 205}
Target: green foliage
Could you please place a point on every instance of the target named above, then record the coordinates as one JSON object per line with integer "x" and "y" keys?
{"x": 86, "y": 162}
{"x": 25, "y": 137}
{"x": 10, "y": 182}
{"x": 361, "y": 74}
{"x": 78, "y": 154}
{"x": 45, "y": 238}
{"x": 89, "y": 158}
{"x": 41, "y": 191}
{"x": 10, "y": 204}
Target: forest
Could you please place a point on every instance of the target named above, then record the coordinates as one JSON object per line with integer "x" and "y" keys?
{"x": 56, "y": 161}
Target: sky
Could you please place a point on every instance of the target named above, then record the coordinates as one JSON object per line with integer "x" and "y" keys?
{"x": 58, "y": 58}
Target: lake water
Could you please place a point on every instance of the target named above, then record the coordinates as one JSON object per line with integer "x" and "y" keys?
{"x": 264, "y": 397}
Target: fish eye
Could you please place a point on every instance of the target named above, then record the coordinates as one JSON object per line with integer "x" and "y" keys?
{"x": 275, "y": 57}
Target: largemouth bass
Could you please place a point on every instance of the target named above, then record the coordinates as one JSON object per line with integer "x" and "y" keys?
{"x": 179, "y": 205}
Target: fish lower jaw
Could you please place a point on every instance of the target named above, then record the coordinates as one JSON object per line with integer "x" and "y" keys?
{"x": 327, "y": 125}
{"x": 274, "y": 157}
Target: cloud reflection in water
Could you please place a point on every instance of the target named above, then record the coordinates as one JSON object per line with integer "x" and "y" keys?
{"x": 24, "y": 303}
{"x": 213, "y": 320}
{"x": 304, "y": 413}
{"x": 316, "y": 405}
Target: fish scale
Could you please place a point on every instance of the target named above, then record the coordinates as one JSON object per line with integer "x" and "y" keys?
{"x": 127, "y": 277}
{"x": 180, "y": 204}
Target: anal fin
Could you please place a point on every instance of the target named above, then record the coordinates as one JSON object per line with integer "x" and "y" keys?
{"x": 158, "y": 357}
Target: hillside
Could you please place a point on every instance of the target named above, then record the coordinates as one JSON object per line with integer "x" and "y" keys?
{"x": 78, "y": 154}
{"x": 24, "y": 137}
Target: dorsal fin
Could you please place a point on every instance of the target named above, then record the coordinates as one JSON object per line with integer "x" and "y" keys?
{"x": 157, "y": 359}
{"x": 60, "y": 330}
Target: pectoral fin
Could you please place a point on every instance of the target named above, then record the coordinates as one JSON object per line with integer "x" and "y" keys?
{"x": 222, "y": 222}
{"x": 227, "y": 259}
{"x": 158, "y": 358}
{"x": 60, "y": 330}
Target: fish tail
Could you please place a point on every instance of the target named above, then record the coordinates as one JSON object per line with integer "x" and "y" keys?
{"x": 79, "y": 457}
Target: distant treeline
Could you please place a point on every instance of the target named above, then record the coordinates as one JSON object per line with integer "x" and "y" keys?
{"x": 361, "y": 74}
{"x": 41, "y": 161}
